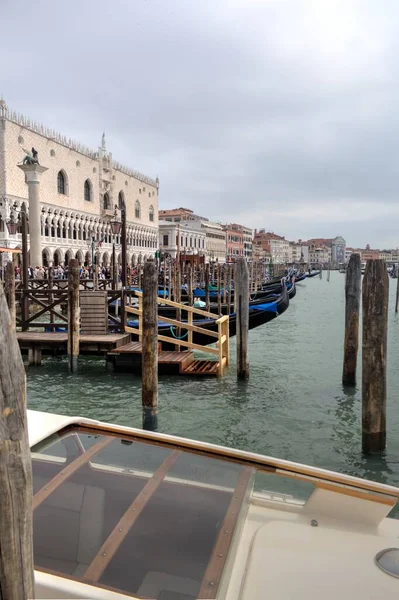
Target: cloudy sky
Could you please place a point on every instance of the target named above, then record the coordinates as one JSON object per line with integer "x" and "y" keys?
{"x": 280, "y": 114}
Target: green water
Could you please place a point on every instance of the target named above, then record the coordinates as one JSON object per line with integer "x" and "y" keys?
{"x": 293, "y": 406}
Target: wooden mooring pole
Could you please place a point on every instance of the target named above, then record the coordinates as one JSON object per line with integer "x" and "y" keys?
{"x": 352, "y": 304}
{"x": 149, "y": 392}
{"x": 241, "y": 295}
{"x": 397, "y": 293}
{"x": 374, "y": 352}
{"x": 16, "y": 535}
{"x": 73, "y": 315}
{"x": 10, "y": 291}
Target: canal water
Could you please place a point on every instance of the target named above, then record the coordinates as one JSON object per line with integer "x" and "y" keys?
{"x": 293, "y": 407}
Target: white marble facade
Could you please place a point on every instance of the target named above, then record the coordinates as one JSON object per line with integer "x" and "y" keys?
{"x": 78, "y": 194}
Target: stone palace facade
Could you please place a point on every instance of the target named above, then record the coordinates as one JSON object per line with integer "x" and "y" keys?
{"x": 78, "y": 193}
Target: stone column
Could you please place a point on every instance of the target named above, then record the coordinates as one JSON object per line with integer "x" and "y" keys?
{"x": 33, "y": 174}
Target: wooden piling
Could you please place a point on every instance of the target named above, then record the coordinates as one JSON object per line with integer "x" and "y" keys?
{"x": 219, "y": 286}
{"x": 16, "y": 535}
{"x": 229, "y": 290}
{"x": 50, "y": 280}
{"x": 352, "y": 305}
{"x": 241, "y": 294}
{"x": 190, "y": 285}
{"x": 73, "y": 315}
{"x": 397, "y": 293}
{"x": 207, "y": 286}
{"x": 25, "y": 268}
{"x": 114, "y": 269}
{"x": 150, "y": 347}
{"x": 224, "y": 283}
{"x": 374, "y": 352}
{"x": 139, "y": 272}
{"x": 9, "y": 287}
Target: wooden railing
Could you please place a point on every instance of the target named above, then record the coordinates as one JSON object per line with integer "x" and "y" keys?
{"x": 222, "y": 338}
{"x": 45, "y": 302}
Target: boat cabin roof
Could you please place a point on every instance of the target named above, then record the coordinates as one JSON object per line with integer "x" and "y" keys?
{"x": 128, "y": 513}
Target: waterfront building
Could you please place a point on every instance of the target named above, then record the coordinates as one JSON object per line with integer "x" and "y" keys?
{"x": 183, "y": 238}
{"x": 325, "y": 250}
{"x": 215, "y": 236}
{"x": 338, "y": 246}
{"x": 275, "y": 245}
{"x": 238, "y": 241}
{"x": 295, "y": 252}
{"x": 369, "y": 253}
{"x": 319, "y": 255}
{"x": 78, "y": 193}
{"x": 234, "y": 243}
{"x": 387, "y": 255}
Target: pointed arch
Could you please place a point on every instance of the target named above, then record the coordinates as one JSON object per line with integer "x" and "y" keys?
{"x": 62, "y": 182}
{"x": 151, "y": 213}
{"x": 121, "y": 200}
{"x": 88, "y": 190}
{"x": 46, "y": 257}
{"x": 106, "y": 201}
{"x": 137, "y": 210}
{"x": 68, "y": 256}
{"x": 57, "y": 257}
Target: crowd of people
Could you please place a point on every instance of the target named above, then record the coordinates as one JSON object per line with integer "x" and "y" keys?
{"x": 61, "y": 272}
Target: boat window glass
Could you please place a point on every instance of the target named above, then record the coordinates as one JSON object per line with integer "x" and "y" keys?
{"x": 105, "y": 503}
{"x": 277, "y": 488}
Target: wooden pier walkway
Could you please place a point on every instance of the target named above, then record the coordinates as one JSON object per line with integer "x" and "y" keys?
{"x": 57, "y": 343}
{"x": 129, "y": 357}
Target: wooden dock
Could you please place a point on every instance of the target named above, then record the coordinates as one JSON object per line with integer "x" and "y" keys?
{"x": 129, "y": 358}
{"x": 56, "y": 343}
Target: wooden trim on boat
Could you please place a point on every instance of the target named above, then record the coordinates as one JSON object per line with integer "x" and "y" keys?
{"x": 260, "y": 462}
{"x": 122, "y": 593}
{"x": 356, "y": 494}
{"x": 120, "y": 531}
{"x": 217, "y": 561}
{"x": 69, "y": 470}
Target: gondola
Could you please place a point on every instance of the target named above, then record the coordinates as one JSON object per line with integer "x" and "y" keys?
{"x": 313, "y": 273}
{"x": 258, "y": 315}
{"x": 170, "y": 311}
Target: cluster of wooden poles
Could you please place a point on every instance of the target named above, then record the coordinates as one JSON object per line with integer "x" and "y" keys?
{"x": 374, "y": 294}
{"x": 150, "y": 328}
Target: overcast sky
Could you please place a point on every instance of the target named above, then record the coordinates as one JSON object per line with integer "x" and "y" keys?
{"x": 280, "y": 114}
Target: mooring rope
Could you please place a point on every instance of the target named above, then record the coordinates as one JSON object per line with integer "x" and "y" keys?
{"x": 176, "y": 336}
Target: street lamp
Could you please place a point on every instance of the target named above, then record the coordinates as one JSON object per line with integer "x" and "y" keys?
{"x": 116, "y": 226}
{"x": 12, "y": 225}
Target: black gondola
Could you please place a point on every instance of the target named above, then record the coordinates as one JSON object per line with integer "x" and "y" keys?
{"x": 313, "y": 273}
{"x": 258, "y": 315}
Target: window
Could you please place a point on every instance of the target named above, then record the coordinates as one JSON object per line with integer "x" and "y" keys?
{"x": 61, "y": 182}
{"x": 121, "y": 200}
{"x": 106, "y": 202}
{"x": 88, "y": 190}
{"x": 137, "y": 211}
{"x": 151, "y": 213}
{"x": 166, "y": 240}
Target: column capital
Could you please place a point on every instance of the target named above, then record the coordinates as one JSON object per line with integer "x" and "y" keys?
{"x": 33, "y": 172}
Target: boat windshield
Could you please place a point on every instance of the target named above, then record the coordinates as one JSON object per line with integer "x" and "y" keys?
{"x": 137, "y": 517}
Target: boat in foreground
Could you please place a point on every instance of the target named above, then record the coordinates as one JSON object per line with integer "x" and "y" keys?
{"x": 122, "y": 512}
